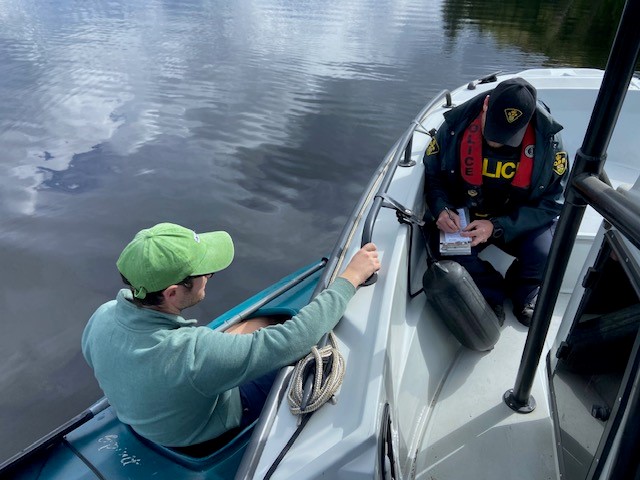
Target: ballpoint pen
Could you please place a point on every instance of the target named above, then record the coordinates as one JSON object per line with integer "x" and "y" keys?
{"x": 446, "y": 209}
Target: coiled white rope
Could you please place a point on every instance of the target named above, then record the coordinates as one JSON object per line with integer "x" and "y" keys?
{"x": 322, "y": 391}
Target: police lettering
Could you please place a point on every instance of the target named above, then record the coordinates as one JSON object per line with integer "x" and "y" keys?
{"x": 468, "y": 159}
{"x": 474, "y": 167}
{"x": 502, "y": 169}
{"x": 468, "y": 165}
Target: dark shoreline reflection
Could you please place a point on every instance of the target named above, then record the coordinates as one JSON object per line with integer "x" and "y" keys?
{"x": 569, "y": 32}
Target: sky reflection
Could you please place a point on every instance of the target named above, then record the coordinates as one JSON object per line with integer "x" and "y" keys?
{"x": 262, "y": 118}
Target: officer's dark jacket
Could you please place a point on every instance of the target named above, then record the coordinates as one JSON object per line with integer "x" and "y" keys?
{"x": 530, "y": 208}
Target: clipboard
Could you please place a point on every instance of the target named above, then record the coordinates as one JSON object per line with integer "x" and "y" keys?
{"x": 454, "y": 243}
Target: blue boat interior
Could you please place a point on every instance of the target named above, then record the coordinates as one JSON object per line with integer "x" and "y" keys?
{"x": 116, "y": 451}
{"x": 286, "y": 305}
{"x": 104, "y": 447}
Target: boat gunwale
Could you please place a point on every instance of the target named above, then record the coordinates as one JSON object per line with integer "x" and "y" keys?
{"x": 379, "y": 183}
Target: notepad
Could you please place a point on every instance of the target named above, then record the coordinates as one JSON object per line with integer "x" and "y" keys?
{"x": 454, "y": 243}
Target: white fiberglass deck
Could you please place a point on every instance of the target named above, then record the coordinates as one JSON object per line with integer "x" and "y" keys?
{"x": 473, "y": 434}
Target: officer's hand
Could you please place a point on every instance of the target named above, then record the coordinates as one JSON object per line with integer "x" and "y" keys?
{"x": 479, "y": 231}
{"x": 448, "y": 221}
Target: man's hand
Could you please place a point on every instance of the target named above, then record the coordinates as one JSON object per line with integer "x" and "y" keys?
{"x": 363, "y": 264}
{"x": 479, "y": 231}
{"x": 448, "y": 221}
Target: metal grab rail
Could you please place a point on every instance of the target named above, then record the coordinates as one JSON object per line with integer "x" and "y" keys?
{"x": 387, "y": 169}
{"x": 615, "y": 206}
{"x": 406, "y": 143}
{"x": 253, "y": 453}
{"x": 382, "y": 177}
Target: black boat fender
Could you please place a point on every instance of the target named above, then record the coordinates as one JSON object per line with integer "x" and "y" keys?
{"x": 455, "y": 297}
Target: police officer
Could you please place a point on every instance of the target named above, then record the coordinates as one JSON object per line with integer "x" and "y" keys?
{"x": 500, "y": 156}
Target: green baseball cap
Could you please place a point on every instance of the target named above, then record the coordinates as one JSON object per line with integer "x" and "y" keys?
{"x": 166, "y": 254}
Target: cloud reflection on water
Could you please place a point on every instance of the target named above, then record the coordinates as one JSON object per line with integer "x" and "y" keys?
{"x": 126, "y": 75}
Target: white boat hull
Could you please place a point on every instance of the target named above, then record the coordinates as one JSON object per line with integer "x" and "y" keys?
{"x": 448, "y": 419}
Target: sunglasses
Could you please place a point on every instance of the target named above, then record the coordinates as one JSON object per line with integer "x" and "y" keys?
{"x": 187, "y": 281}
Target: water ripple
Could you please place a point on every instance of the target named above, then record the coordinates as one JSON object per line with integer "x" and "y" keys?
{"x": 265, "y": 117}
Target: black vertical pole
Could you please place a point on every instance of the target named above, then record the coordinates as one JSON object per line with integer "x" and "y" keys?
{"x": 589, "y": 160}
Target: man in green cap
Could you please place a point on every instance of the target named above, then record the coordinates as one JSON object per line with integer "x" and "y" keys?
{"x": 178, "y": 384}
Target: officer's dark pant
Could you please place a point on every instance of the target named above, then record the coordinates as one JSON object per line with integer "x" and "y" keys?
{"x": 523, "y": 278}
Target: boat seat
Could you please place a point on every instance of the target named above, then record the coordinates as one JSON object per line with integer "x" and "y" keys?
{"x": 208, "y": 447}
{"x": 220, "y": 450}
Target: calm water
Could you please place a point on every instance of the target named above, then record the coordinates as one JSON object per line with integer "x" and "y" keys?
{"x": 263, "y": 118}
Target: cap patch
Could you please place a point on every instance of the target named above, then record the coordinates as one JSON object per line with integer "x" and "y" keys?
{"x": 560, "y": 163}
{"x": 512, "y": 114}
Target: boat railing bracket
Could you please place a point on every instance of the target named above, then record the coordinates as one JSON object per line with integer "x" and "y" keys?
{"x": 513, "y": 403}
{"x": 403, "y": 214}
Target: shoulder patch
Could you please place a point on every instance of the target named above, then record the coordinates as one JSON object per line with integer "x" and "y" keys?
{"x": 560, "y": 163}
{"x": 433, "y": 147}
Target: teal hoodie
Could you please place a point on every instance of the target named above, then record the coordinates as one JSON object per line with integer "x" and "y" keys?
{"x": 177, "y": 383}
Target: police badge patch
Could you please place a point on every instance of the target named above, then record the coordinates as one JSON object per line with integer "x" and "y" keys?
{"x": 530, "y": 151}
{"x": 560, "y": 163}
{"x": 512, "y": 114}
{"x": 433, "y": 147}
